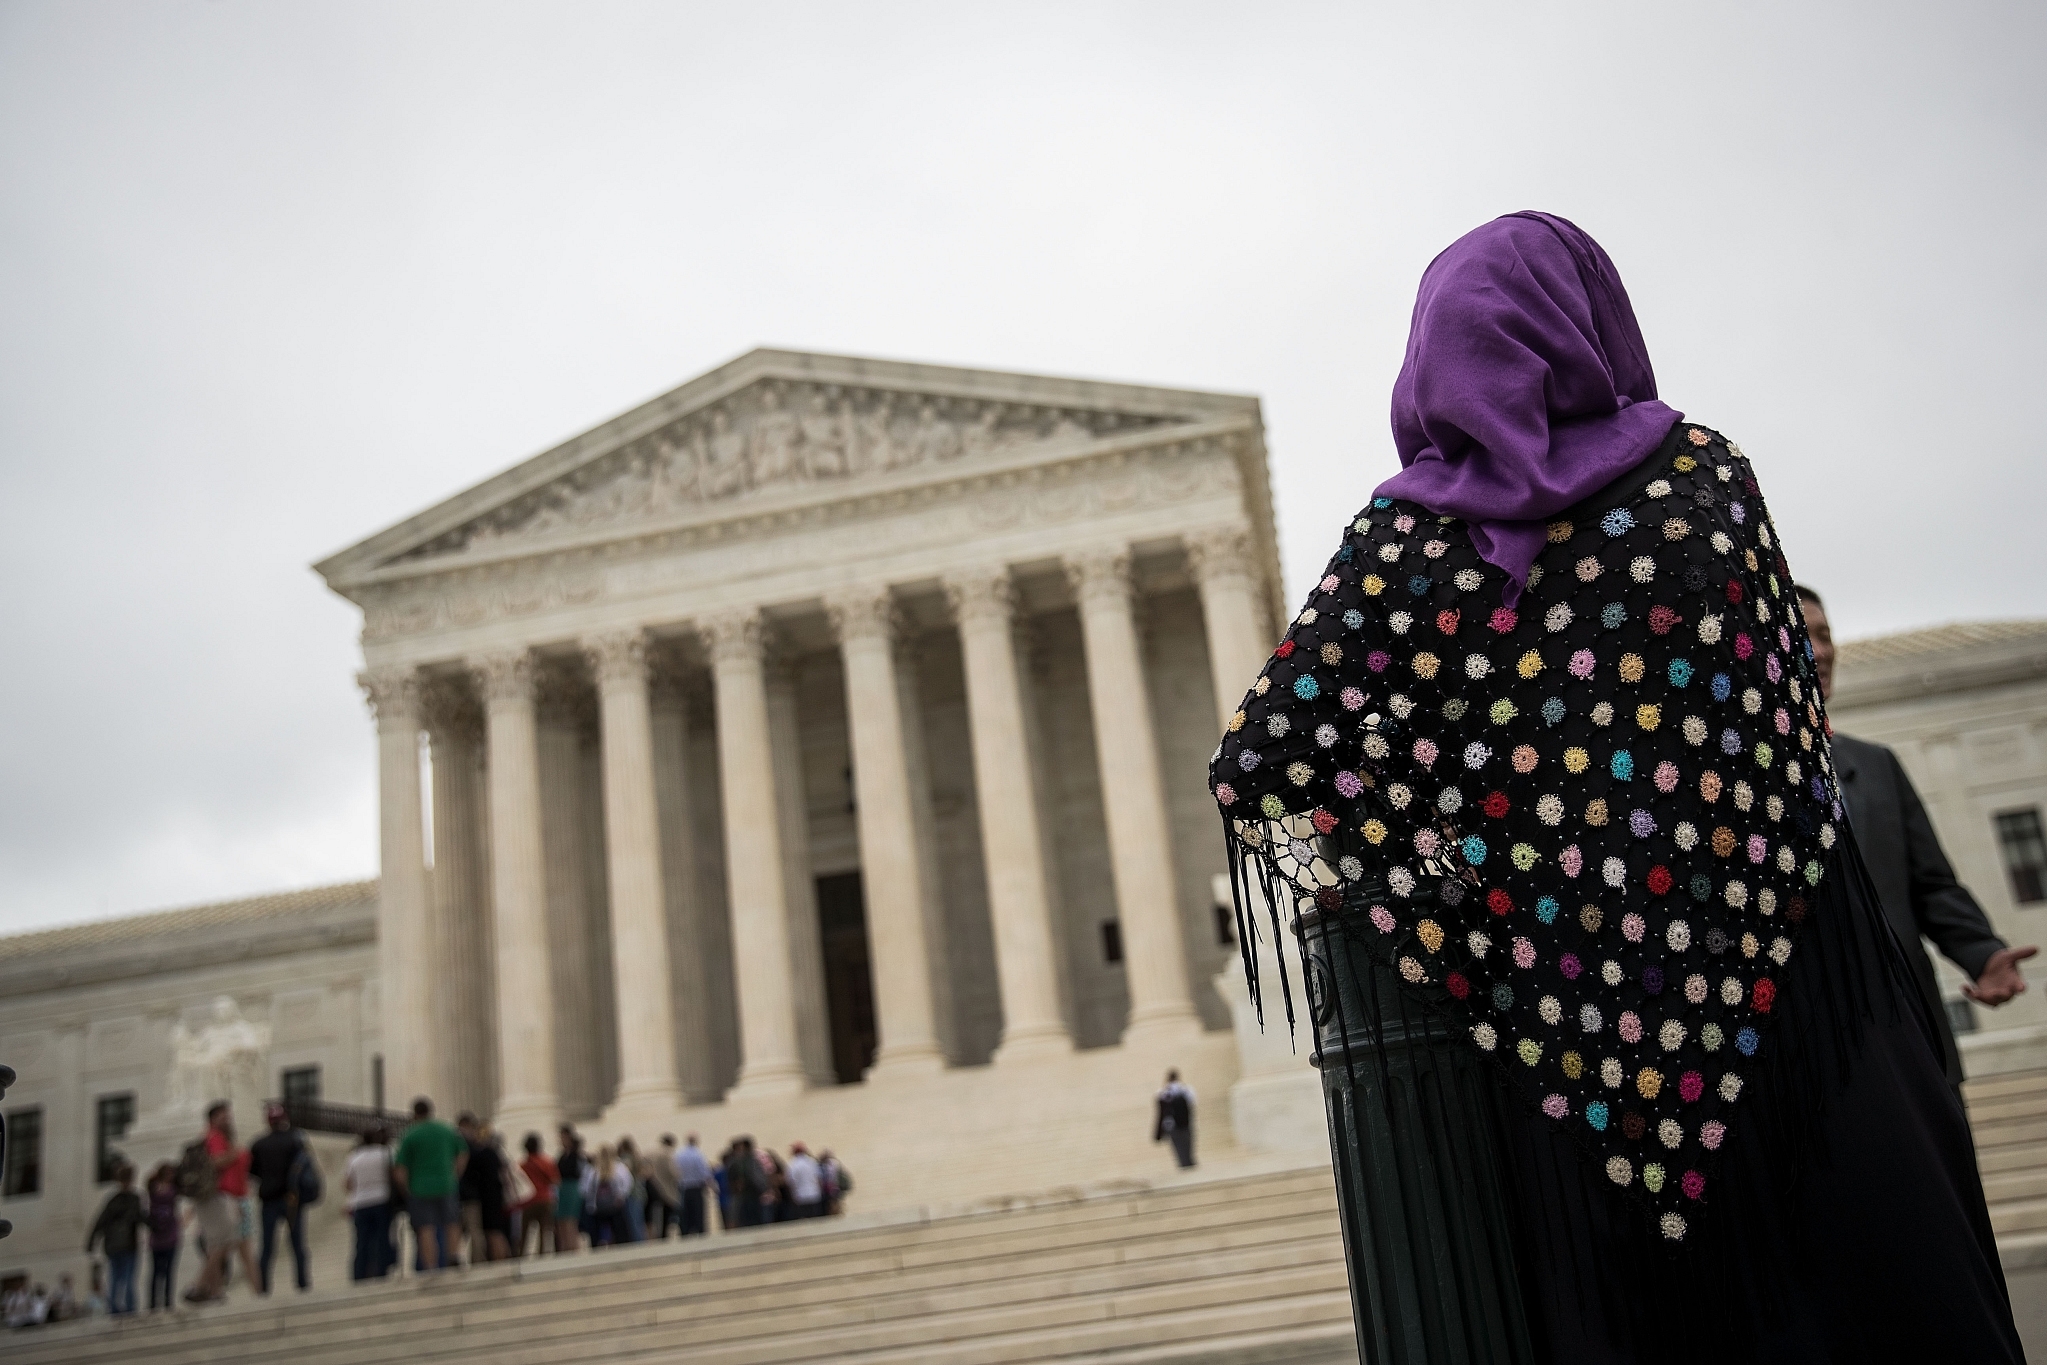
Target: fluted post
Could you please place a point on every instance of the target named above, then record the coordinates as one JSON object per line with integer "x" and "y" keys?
{"x": 891, "y": 876}
{"x": 1221, "y": 559}
{"x": 639, "y": 910}
{"x": 755, "y": 884}
{"x": 1133, "y": 797}
{"x": 1012, "y": 841}
{"x": 404, "y": 926}
{"x": 529, "y": 1096}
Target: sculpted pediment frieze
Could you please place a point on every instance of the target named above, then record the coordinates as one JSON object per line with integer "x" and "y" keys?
{"x": 780, "y": 434}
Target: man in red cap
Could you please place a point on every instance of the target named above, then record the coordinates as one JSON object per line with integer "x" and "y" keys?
{"x": 275, "y": 1160}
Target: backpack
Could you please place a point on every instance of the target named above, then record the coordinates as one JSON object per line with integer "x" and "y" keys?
{"x": 302, "y": 1182}
{"x": 196, "y": 1176}
{"x": 606, "y": 1199}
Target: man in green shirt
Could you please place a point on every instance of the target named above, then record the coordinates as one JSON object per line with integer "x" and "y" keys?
{"x": 428, "y": 1164}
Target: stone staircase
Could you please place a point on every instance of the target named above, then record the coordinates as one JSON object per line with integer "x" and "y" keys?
{"x": 1237, "y": 1270}
{"x": 2008, "y": 1113}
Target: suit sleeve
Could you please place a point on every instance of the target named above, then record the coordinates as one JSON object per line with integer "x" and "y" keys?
{"x": 1941, "y": 906}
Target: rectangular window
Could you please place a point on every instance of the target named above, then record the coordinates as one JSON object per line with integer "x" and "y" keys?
{"x": 1960, "y": 1017}
{"x": 2025, "y": 853}
{"x": 1225, "y": 925}
{"x": 24, "y": 1173}
{"x": 300, "y": 1086}
{"x": 1112, "y": 941}
{"x": 110, "y": 1125}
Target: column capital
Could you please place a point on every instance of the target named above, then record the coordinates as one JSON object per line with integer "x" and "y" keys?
{"x": 1215, "y": 552}
{"x": 505, "y": 676}
{"x": 736, "y": 636}
{"x": 448, "y": 708}
{"x": 392, "y": 694}
{"x": 617, "y": 656}
{"x": 862, "y": 613}
{"x": 985, "y": 595}
{"x": 1100, "y": 575}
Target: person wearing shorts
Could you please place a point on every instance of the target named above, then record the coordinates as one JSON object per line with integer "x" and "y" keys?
{"x": 429, "y": 1163}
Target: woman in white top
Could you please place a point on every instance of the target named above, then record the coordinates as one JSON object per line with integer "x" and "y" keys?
{"x": 367, "y": 1180}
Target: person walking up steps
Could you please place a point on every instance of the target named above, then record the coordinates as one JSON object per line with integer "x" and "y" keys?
{"x": 429, "y": 1163}
{"x": 1176, "y": 1118}
{"x": 692, "y": 1178}
{"x": 120, "y": 1219}
{"x": 214, "y": 1175}
{"x": 366, "y": 1180}
{"x": 276, "y": 1160}
{"x": 166, "y": 1230}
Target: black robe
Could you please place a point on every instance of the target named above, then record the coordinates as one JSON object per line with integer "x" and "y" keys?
{"x": 1600, "y": 834}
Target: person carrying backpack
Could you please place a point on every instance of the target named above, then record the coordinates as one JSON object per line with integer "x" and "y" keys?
{"x": 286, "y": 1173}
{"x": 214, "y": 1174}
{"x": 607, "y": 1185}
{"x": 120, "y": 1219}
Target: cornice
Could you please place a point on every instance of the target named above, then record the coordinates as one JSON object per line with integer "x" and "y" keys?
{"x": 354, "y": 565}
{"x": 1941, "y": 674}
{"x": 209, "y": 949}
{"x": 812, "y": 504}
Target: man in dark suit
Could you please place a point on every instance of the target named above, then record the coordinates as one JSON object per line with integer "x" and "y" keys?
{"x": 1913, "y": 878}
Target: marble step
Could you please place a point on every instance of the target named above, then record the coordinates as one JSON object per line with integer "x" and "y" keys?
{"x": 2019, "y": 1216}
{"x": 912, "y": 1283}
{"x": 2026, "y": 1183}
{"x": 825, "y": 1268}
{"x": 2004, "y": 1083}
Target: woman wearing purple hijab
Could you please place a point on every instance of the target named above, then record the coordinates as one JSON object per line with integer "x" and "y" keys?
{"x": 1542, "y": 771}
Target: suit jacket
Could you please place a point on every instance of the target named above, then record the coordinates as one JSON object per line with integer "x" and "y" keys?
{"x": 1913, "y": 878}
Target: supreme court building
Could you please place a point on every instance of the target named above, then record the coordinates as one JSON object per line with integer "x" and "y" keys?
{"x": 818, "y": 752}
{"x": 824, "y": 720}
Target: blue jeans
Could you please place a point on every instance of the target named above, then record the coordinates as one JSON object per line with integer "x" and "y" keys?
{"x": 635, "y": 1217}
{"x": 163, "y": 1277}
{"x": 442, "y": 1213}
{"x": 294, "y": 1217}
{"x": 120, "y": 1282}
{"x": 374, "y": 1256}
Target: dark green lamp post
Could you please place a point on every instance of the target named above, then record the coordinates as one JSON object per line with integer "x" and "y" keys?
{"x": 1419, "y": 1182}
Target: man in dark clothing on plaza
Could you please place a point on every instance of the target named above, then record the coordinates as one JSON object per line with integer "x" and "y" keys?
{"x": 273, "y": 1164}
{"x": 1175, "y": 1120}
{"x": 1914, "y": 881}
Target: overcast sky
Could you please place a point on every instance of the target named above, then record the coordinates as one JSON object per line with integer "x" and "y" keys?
{"x": 275, "y": 275}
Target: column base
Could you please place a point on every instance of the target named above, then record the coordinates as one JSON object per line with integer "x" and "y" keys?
{"x": 518, "y": 1115}
{"x": 918, "y": 1059}
{"x": 768, "y": 1080}
{"x": 643, "y": 1097}
{"x": 1162, "y": 1024}
{"x": 1033, "y": 1045}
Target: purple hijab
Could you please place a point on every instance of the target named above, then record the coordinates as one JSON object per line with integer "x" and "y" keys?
{"x": 1526, "y": 386}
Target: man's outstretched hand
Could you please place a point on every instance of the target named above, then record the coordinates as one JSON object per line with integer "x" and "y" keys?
{"x": 2001, "y": 978}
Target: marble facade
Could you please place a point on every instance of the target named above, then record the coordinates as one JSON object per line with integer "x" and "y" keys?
{"x": 823, "y": 720}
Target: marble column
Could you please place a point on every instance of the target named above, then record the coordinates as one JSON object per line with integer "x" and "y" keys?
{"x": 891, "y": 872}
{"x": 528, "y": 1095}
{"x": 674, "y": 782}
{"x": 404, "y": 927}
{"x": 579, "y": 934}
{"x": 1221, "y": 558}
{"x": 755, "y": 880}
{"x": 799, "y": 888}
{"x": 639, "y": 909}
{"x": 1133, "y": 797}
{"x": 1012, "y": 839}
{"x": 462, "y": 971}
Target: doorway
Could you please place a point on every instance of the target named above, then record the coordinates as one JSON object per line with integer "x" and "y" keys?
{"x": 848, "y": 982}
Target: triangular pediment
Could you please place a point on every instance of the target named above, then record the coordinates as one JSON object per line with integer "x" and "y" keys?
{"x": 772, "y": 427}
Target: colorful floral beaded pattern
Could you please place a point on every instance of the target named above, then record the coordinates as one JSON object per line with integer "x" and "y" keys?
{"x": 1625, "y": 783}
